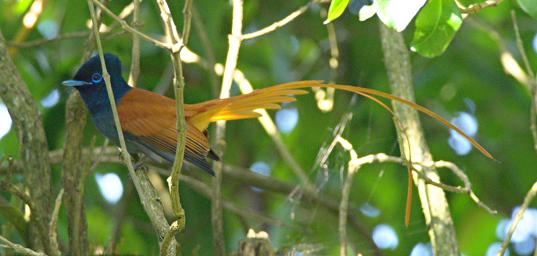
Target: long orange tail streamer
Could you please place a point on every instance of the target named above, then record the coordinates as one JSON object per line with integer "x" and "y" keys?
{"x": 244, "y": 106}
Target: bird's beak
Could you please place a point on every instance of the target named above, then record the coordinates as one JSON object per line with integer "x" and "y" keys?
{"x": 74, "y": 83}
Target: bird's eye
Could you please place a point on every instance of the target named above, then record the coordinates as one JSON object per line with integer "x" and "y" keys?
{"x": 96, "y": 78}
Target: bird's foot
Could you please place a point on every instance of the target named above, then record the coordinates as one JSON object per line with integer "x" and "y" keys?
{"x": 138, "y": 160}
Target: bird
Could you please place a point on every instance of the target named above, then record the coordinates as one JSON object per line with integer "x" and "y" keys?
{"x": 148, "y": 119}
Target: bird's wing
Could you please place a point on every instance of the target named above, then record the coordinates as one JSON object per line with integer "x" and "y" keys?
{"x": 244, "y": 106}
{"x": 151, "y": 119}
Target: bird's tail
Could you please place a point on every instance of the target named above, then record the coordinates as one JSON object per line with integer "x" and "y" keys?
{"x": 244, "y": 106}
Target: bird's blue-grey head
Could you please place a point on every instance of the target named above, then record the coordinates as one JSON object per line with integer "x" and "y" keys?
{"x": 89, "y": 81}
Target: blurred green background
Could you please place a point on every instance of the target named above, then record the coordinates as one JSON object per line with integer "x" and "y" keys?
{"x": 468, "y": 78}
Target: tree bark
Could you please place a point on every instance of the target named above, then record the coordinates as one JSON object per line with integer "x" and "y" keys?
{"x": 33, "y": 145}
{"x": 75, "y": 121}
{"x": 433, "y": 200}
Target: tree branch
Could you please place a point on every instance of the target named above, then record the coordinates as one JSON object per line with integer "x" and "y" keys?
{"x": 33, "y": 143}
{"x": 433, "y": 200}
{"x": 234, "y": 40}
{"x": 518, "y": 216}
{"x": 19, "y": 248}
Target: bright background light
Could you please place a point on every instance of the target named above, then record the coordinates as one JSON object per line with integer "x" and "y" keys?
{"x": 110, "y": 187}
{"x": 286, "y": 119}
{"x": 385, "y": 237}
{"x": 51, "y": 99}
{"x": 5, "y": 120}
{"x": 468, "y": 124}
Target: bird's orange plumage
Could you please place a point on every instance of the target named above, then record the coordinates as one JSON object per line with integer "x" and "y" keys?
{"x": 152, "y": 117}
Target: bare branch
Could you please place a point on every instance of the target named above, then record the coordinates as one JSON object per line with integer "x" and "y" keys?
{"x": 345, "y": 193}
{"x": 179, "y": 85}
{"x": 19, "y": 248}
{"x": 518, "y": 216}
{"x": 531, "y": 82}
{"x": 53, "y": 224}
{"x": 475, "y": 8}
{"x": 278, "y": 24}
{"x": 433, "y": 200}
{"x": 135, "y": 52}
{"x": 126, "y": 26}
{"x": 229, "y": 69}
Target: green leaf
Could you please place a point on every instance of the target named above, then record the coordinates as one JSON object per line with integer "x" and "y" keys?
{"x": 397, "y": 14}
{"x": 336, "y": 9}
{"x": 529, "y": 6}
{"x": 436, "y": 25}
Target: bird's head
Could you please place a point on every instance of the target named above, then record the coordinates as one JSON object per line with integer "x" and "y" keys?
{"x": 89, "y": 81}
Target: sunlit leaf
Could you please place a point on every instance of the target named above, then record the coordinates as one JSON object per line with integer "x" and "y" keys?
{"x": 436, "y": 25}
{"x": 22, "y": 6}
{"x": 336, "y": 9}
{"x": 367, "y": 12}
{"x": 529, "y": 6}
{"x": 397, "y": 14}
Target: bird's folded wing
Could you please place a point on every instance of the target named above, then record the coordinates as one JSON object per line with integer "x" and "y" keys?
{"x": 151, "y": 119}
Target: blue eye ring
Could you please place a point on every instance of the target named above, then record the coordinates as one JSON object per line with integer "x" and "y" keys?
{"x": 96, "y": 78}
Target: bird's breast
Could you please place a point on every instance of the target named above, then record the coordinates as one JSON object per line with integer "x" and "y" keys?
{"x": 104, "y": 120}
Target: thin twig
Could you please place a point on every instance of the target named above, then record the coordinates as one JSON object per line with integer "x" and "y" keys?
{"x": 126, "y": 26}
{"x": 231, "y": 63}
{"x": 518, "y": 216}
{"x": 144, "y": 188}
{"x": 345, "y": 192}
{"x": 187, "y": 20}
{"x": 53, "y": 224}
{"x": 278, "y": 24}
{"x": 13, "y": 189}
{"x": 520, "y": 46}
{"x": 39, "y": 42}
{"x": 19, "y": 248}
{"x": 474, "y": 8}
{"x": 135, "y": 52}
{"x": 179, "y": 85}
{"x": 531, "y": 82}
